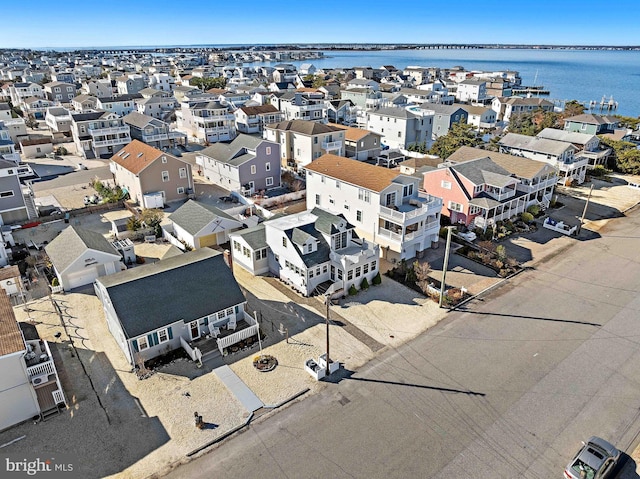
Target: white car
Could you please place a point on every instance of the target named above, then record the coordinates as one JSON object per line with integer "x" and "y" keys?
{"x": 469, "y": 236}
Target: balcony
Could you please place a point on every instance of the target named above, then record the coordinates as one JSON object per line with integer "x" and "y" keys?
{"x": 412, "y": 209}
{"x": 395, "y": 236}
{"x": 358, "y": 251}
{"x": 331, "y": 145}
{"x": 114, "y": 130}
{"x": 111, "y": 142}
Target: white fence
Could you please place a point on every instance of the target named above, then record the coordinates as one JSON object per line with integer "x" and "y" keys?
{"x": 173, "y": 240}
{"x": 237, "y": 337}
{"x": 194, "y": 353}
{"x": 268, "y": 202}
{"x": 40, "y": 369}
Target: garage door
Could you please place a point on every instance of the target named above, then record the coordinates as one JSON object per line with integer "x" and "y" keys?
{"x": 208, "y": 240}
{"x": 81, "y": 278}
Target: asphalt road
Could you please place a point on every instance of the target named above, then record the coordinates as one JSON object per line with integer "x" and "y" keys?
{"x": 506, "y": 388}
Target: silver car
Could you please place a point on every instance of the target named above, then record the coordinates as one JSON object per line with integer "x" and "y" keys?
{"x": 596, "y": 460}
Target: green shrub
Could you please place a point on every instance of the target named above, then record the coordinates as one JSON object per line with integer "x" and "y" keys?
{"x": 364, "y": 284}
{"x": 352, "y": 290}
{"x": 61, "y": 151}
{"x": 526, "y": 217}
{"x": 534, "y": 210}
{"x": 599, "y": 171}
{"x": 377, "y": 279}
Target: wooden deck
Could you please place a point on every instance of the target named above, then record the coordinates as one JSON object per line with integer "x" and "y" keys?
{"x": 45, "y": 396}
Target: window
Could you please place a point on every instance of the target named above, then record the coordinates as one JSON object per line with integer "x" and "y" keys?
{"x": 349, "y": 275}
{"x": 253, "y": 169}
{"x": 365, "y": 268}
{"x": 339, "y": 275}
{"x": 163, "y": 336}
{"x": 165, "y": 176}
{"x": 261, "y": 254}
{"x": 364, "y": 195}
{"x": 318, "y": 200}
{"x": 268, "y": 152}
{"x": 399, "y": 134}
{"x": 269, "y": 181}
{"x": 337, "y": 184}
{"x": 221, "y": 315}
{"x": 373, "y": 265}
{"x": 142, "y": 343}
{"x": 236, "y": 246}
{"x": 246, "y": 252}
{"x": 182, "y": 172}
{"x": 267, "y": 166}
{"x": 407, "y": 190}
{"x": 453, "y": 206}
{"x": 359, "y": 216}
{"x": 310, "y": 273}
{"x": 340, "y": 240}
{"x": 229, "y": 311}
{"x": 284, "y": 241}
{"x": 6, "y": 194}
{"x": 164, "y": 159}
{"x": 180, "y": 190}
{"x": 324, "y": 268}
{"x": 358, "y": 272}
{"x": 315, "y": 140}
{"x": 445, "y": 184}
{"x": 346, "y": 207}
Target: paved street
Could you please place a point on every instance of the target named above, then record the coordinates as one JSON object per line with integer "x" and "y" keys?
{"x": 507, "y": 387}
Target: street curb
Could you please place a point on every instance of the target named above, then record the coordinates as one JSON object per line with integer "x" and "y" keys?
{"x": 221, "y": 437}
{"x": 489, "y": 289}
{"x": 235, "y": 429}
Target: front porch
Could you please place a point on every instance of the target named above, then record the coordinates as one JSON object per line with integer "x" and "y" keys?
{"x": 223, "y": 337}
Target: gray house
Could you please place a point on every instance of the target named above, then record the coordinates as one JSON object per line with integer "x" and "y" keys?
{"x": 445, "y": 116}
{"x": 247, "y": 164}
{"x": 149, "y": 309}
{"x": 16, "y": 201}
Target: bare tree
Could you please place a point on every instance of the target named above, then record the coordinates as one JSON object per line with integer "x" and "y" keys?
{"x": 421, "y": 271}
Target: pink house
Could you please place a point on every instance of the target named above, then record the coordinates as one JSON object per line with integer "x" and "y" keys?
{"x": 479, "y": 187}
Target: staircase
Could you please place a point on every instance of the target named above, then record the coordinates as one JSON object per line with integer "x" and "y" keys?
{"x": 32, "y": 212}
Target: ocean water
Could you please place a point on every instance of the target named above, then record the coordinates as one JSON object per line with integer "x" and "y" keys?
{"x": 582, "y": 75}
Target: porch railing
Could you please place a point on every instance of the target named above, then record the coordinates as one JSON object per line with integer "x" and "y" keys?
{"x": 40, "y": 369}
{"x": 58, "y": 397}
{"x": 234, "y": 338}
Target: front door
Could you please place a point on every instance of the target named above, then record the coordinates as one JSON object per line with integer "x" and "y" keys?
{"x": 333, "y": 273}
{"x": 195, "y": 329}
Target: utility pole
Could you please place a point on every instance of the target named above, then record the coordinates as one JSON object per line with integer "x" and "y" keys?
{"x": 584, "y": 212}
{"x": 327, "y": 299}
{"x": 444, "y": 266}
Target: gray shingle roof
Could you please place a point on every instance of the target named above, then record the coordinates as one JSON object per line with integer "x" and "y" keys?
{"x": 484, "y": 170}
{"x": 568, "y": 136}
{"x": 320, "y": 255}
{"x": 394, "y": 112}
{"x": 255, "y": 237}
{"x": 193, "y": 216}
{"x": 531, "y": 143}
{"x": 326, "y": 221}
{"x": 185, "y": 287}
{"x": 74, "y": 241}
{"x": 591, "y": 119}
{"x": 138, "y": 120}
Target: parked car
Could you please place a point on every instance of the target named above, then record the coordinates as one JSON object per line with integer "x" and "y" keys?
{"x": 597, "y": 459}
{"x": 469, "y": 236}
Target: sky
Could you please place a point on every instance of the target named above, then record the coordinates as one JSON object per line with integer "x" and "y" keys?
{"x": 81, "y": 23}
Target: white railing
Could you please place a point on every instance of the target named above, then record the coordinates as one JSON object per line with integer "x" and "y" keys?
{"x": 331, "y": 145}
{"x": 234, "y": 338}
{"x": 41, "y": 369}
{"x": 194, "y": 353}
{"x": 57, "y": 289}
{"x": 114, "y": 130}
{"x": 383, "y": 233}
{"x": 423, "y": 208}
{"x": 161, "y": 136}
{"x": 502, "y": 196}
{"x": 58, "y": 397}
{"x": 118, "y": 141}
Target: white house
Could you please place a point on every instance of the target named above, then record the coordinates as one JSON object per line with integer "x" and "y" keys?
{"x": 250, "y": 249}
{"x": 557, "y": 153}
{"x": 472, "y": 90}
{"x": 401, "y": 127}
{"x": 317, "y": 251}
{"x": 383, "y": 205}
{"x": 29, "y": 382}
{"x": 79, "y": 256}
{"x": 200, "y": 225}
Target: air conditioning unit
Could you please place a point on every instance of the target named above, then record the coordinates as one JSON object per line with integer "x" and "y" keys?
{"x": 37, "y": 380}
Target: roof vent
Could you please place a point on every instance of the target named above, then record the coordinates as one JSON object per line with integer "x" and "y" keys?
{"x": 139, "y": 155}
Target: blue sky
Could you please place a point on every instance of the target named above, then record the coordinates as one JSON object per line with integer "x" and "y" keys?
{"x": 76, "y": 23}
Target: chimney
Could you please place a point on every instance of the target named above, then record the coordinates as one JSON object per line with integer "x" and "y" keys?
{"x": 228, "y": 259}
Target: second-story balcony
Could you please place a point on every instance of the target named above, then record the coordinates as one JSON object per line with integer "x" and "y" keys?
{"x": 331, "y": 145}
{"x": 412, "y": 209}
{"x": 112, "y": 130}
{"x": 100, "y": 142}
{"x": 357, "y": 252}
{"x": 539, "y": 185}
